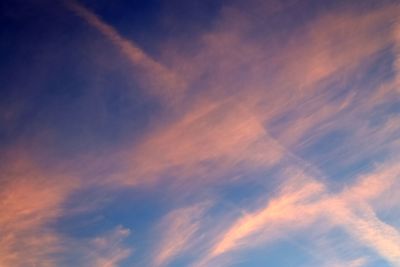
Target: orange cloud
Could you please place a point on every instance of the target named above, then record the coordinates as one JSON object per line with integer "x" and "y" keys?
{"x": 209, "y": 140}
{"x": 31, "y": 200}
{"x": 229, "y": 126}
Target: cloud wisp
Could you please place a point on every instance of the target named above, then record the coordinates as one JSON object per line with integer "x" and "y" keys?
{"x": 178, "y": 229}
{"x": 156, "y": 78}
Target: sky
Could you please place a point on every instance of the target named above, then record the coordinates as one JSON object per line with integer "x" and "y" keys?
{"x": 203, "y": 133}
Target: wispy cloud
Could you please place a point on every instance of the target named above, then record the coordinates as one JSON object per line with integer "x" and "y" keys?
{"x": 230, "y": 127}
{"x": 304, "y": 202}
{"x": 159, "y": 80}
{"x": 279, "y": 212}
{"x": 253, "y": 103}
{"x": 178, "y": 229}
{"x": 208, "y": 141}
{"x": 108, "y": 250}
{"x": 31, "y": 200}
{"x": 353, "y": 263}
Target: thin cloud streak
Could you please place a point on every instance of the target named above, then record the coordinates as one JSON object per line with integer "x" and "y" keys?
{"x": 155, "y": 77}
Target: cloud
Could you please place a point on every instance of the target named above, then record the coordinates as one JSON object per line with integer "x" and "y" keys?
{"x": 396, "y": 36}
{"x": 373, "y": 187}
{"x": 228, "y": 127}
{"x": 253, "y": 103}
{"x": 107, "y": 250}
{"x": 369, "y": 230}
{"x": 302, "y": 203}
{"x": 178, "y": 229}
{"x": 159, "y": 80}
{"x": 352, "y": 263}
{"x": 230, "y": 124}
{"x": 31, "y": 199}
{"x": 208, "y": 141}
{"x": 279, "y": 212}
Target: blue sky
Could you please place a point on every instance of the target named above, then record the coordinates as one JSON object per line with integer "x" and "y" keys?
{"x": 199, "y": 133}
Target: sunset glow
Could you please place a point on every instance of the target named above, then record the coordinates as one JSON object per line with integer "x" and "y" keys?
{"x": 204, "y": 133}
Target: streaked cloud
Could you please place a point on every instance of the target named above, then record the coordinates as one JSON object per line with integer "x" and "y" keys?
{"x": 159, "y": 80}
{"x": 291, "y": 132}
{"x": 178, "y": 229}
{"x": 208, "y": 141}
{"x": 304, "y": 204}
{"x": 31, "y": 200}
{"x": 279, "y": 212}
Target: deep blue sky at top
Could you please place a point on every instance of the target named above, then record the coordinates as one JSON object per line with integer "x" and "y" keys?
{"x": 47, "y": 64}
